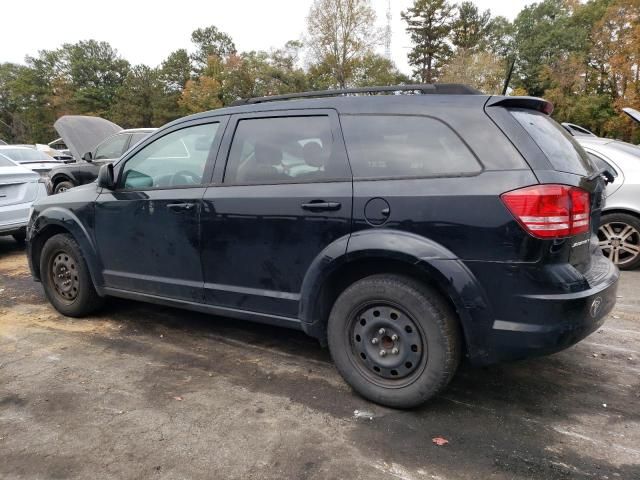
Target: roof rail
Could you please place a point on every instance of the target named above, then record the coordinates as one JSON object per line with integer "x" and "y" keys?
{"x": 442, "y": 89}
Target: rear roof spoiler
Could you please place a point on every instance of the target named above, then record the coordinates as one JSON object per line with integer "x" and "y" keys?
{"x": 530, "y": 103}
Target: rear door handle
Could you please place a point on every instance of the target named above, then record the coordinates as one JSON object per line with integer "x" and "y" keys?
{"x": 321, "y": 206}
{"x": 181, "y": 207}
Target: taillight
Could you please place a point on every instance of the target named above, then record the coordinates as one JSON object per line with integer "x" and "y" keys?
{"x": 550, "y": 211}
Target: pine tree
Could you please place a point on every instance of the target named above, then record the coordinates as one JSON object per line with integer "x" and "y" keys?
{"x": 429, "y": 24}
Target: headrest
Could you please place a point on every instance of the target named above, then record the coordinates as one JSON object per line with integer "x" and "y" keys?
{"x": 267, "y": 154}
{"x": 313, "y": 154}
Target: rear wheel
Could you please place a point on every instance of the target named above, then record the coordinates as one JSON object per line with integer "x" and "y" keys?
{"x": 63, "y": 186}
{"x": 619, "y": 237}
{"x": 65, "y": 277}
{"x": 394, "y": 340}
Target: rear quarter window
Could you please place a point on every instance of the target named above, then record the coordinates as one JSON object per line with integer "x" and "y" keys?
{"x": 555, "y": 142}
{"x": 397, "y": 146}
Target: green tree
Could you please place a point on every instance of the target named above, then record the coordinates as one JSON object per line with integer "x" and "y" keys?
{"x": 544, "y": 34}
{"x": 209, "y": 42}
{"x": 176, "y": 70}
{"x": 470, "y": 29}
{"x": 429, "y": 23}
{"x": 143, "y": 100}
{"x": 341, "y": 32}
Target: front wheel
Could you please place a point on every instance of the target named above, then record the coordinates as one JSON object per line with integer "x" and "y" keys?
{"x": 619, "y": 237}
{"x": 66, "y": 279}
{"x": 394, "y": 340}
{"x": 63, "y": 187}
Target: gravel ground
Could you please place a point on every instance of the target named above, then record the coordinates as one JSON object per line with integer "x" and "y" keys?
{"x": 142, "y": 391}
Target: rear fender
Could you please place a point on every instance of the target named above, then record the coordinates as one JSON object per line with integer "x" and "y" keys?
{"x": 438, "y": 265}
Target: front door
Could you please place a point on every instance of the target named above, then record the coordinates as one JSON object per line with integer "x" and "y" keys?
{"x": 147, "y": 228}
{"x": 284, "y": 196}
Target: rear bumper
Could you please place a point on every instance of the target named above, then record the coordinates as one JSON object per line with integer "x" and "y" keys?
{"x": 547, "y": 324}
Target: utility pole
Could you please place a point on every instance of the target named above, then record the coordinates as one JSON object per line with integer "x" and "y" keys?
{"x": 387, "y": 33}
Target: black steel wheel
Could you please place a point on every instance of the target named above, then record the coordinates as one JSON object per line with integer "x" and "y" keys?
{"x": 395, "y": 340}
{"x": 65, "y": 277}
{"x": 619, "y": 240}
{"x": 386, "y": 344}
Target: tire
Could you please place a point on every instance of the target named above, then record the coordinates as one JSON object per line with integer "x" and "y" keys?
{"x": 20, "y": 237}
{"x": 619, "y": 237}
{"x": 63, "y": 187}
{"x": 73, "y": 294}
{"x": 421, "y": 340}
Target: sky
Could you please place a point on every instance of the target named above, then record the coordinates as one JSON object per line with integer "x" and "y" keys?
{"x": 146, "y": 32}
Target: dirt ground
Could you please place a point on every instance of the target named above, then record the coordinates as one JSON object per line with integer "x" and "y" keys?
{"x": 141, "y": 391}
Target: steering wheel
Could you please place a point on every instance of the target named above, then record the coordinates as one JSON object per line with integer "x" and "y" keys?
{"x": 185, "y": 177}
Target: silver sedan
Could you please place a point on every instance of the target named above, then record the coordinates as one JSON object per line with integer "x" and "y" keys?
{"x": 619, "y": 233}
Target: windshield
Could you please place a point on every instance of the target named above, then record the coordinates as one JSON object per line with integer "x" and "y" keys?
{"x": 564, "y": 153}
{"x": 22, "y": 155}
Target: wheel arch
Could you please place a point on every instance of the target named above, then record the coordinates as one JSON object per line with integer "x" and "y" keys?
{"x": 54, "y": 221}
{"x": 413, "y": 256}
{"x": 625, "y": 211}
{"x": 63, "y": 177}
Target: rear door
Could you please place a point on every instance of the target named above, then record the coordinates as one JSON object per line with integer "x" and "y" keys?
{"x": 282, "y": 193}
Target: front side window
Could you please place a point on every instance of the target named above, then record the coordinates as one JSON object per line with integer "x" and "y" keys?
{"x": 284, "y": 150}
{"x": 395, "y": 146}
{"x": 177, "y": 159}
{"x": 111, "y": 148}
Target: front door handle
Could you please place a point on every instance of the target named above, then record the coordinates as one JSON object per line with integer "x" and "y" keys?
{"x": 321, "y": 206}
{"x": 181, "y": 207}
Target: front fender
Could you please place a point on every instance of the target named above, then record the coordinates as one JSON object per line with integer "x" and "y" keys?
{"x": 56, "y": 219}
{"x": 438, "y": 265}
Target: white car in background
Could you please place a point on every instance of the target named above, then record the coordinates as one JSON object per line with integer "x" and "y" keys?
{"x": 19, "y": 188}
{"x": 30, "y": 158}
{"x": 619, "y": 232}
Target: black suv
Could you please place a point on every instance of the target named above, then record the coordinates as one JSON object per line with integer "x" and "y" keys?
{"x": 406, "y": 227}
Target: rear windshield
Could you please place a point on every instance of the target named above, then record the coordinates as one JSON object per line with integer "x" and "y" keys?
{"x": 555, "y": 142}
{"x": 26, "y": 155}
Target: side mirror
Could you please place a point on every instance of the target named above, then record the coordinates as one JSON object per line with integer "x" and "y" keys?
{"x": 87, "y": 157}
{"x": 105, "y": 177}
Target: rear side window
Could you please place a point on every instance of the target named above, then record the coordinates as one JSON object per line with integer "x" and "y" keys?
{"x": 396, "y": 146}
{"x": 555, "y": 142}
{"x": 285, "y": 150}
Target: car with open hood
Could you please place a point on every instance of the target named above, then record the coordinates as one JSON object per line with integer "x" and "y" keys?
{"x": 93, "y": 141}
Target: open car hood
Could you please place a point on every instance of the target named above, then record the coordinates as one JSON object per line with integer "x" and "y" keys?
{"x": 633, "y": 113}
{"x": 82, "y": 134}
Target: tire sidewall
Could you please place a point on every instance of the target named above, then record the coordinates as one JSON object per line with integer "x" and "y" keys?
{"x": 426, "y": 312}
{"x": 67, "y": 183}
{"x": 85, "y": 301}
